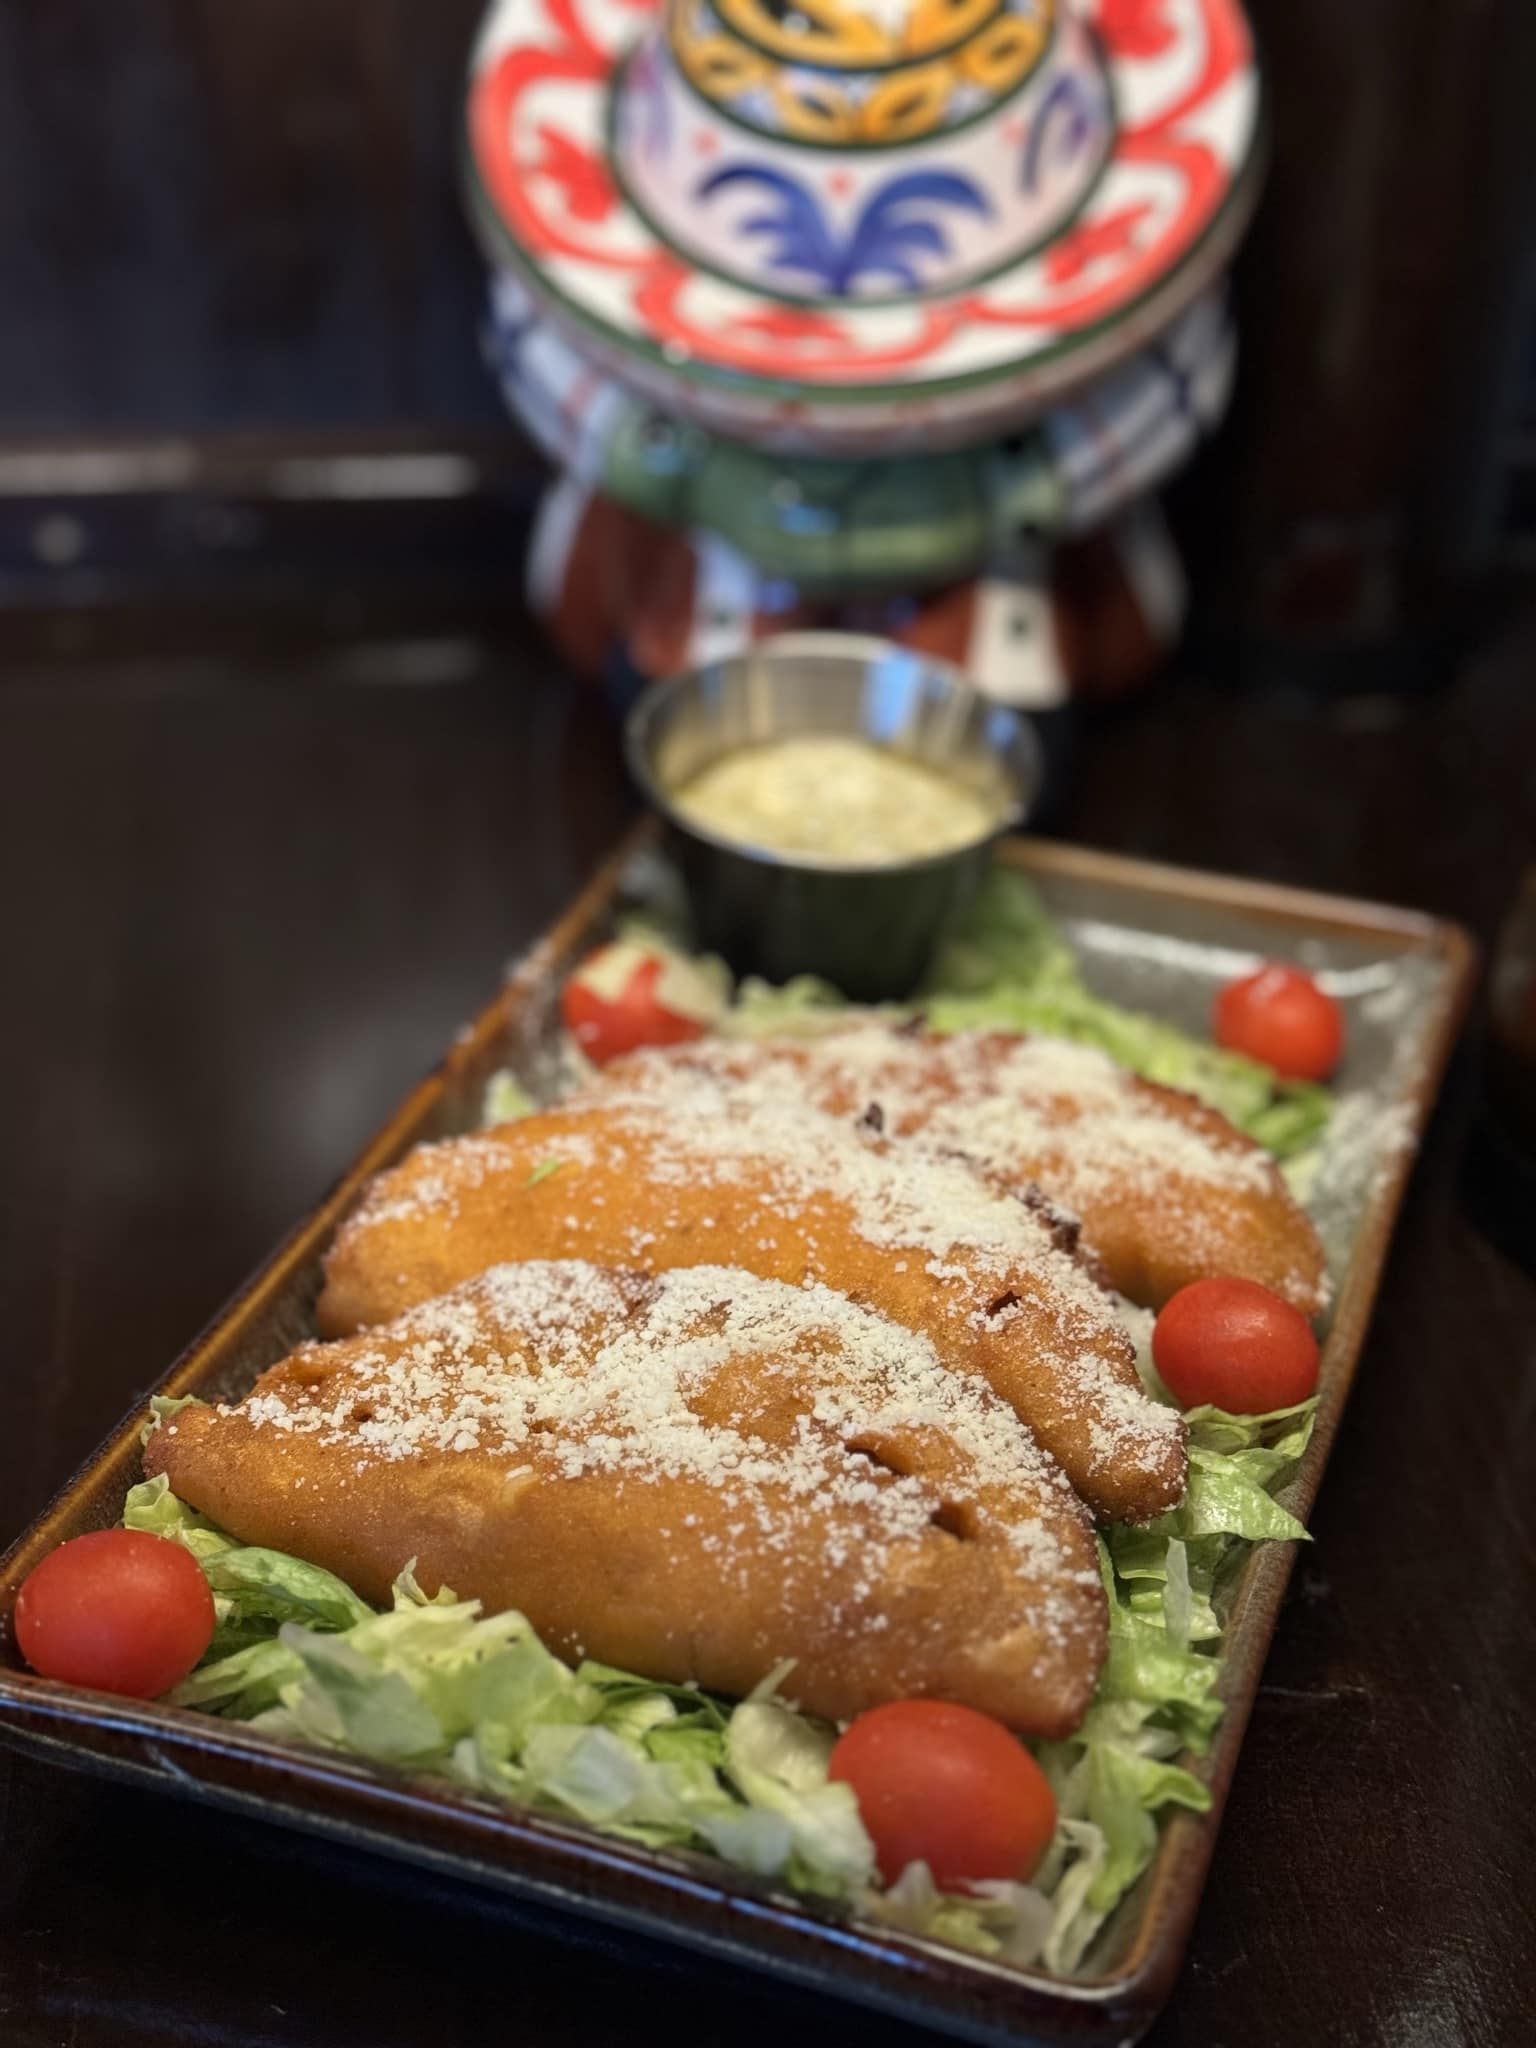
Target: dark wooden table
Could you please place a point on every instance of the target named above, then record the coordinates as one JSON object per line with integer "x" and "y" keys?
{"x": 245, "y": 901}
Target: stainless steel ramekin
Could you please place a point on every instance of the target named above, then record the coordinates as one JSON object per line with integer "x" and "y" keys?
{"x": 871, "y": 930}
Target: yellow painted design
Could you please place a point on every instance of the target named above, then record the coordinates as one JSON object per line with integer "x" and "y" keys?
{"x": 839, "y": 33}
{"x": 935, "y": 24}
{"x": 721, "y": 67}
{"x": 912, "y": 103}
{"x": 902, "y": 103}
{"x": 1002, "y": 53}
{"x": 833, "y": 33}
{"x": 815, "y": 112}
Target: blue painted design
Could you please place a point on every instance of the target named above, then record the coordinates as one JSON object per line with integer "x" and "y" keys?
{"x": 886, "y": 238}
{"x": 1064, "y": 124}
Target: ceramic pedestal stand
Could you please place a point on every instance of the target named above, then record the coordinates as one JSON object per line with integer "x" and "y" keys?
{"x": 876, "y": 311}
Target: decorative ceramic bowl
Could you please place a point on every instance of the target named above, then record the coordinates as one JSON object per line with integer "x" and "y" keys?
{"x": 784, "y": 152}
{"x": 862, "y": 226}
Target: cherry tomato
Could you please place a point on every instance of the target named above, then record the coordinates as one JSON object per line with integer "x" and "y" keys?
{"x": 120, "y": 1610}
{"x": 949, "y": 1786}
{"x": 1280, "y": 1016}
{"x": 1236, "y": 1345}
{"x": 626, "y": 995}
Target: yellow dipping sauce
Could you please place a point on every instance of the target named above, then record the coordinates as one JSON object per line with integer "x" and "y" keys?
{"x": 845, "y": 801}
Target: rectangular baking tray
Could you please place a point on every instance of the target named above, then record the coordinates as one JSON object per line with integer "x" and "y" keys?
{"x": 1156, "y": 937}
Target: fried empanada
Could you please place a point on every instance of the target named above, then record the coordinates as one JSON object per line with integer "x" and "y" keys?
{"x": 1167, "y": 1190}
{"x": 789, "y": 1194}
{"x": 694, "y": 1476}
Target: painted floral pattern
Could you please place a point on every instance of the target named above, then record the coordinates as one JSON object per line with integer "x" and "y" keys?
{"x": 547, "y": 73}
{"x": 897, "y": 227}
{"x": 1061, "y": 130}
{"x": 582, "y": 177}
{"x": 1095, "y": 242}
{"x": 1138, "y": 28}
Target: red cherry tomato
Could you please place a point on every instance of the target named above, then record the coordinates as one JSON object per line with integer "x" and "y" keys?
{"x": 949, "y": 1786}
{"x": 120, "y": 1610}
{"x": 1280, "y": 1016}
{"x": 624, "y": 996}
{"x": 1236, "y": 1345}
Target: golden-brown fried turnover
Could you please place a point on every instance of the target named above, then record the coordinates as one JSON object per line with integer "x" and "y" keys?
{"x": 1166, "y": 1189}
{"x": 787, "y": 1193}
{"x": 692, "y": 1476}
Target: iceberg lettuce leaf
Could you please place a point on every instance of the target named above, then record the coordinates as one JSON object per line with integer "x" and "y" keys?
{"x": 777, "y": 1759}
{"x": 152, "y": 1506}
{"x": 804, "y": 1005}
{"x": 996, "y": 1919}
{"x": 347, "y": 1701}
{"x": 244, "y": 1683}
{"x": 505, "y": 1099}
{"x": 266, "y": 1588}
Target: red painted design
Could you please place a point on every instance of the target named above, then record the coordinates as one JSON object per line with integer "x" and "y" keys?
{"x": 544, "y": 171}
{"x": 778, "y": 341}
{"x": 493, "y": 107}
{"x": 792, "y": 323}
{"x": 1094, "y": 241}
{"x": 1228, "y": 49}
{"x": 581, "y": 176}
{"x": 704, "y": 143}
{"x": 840, "y": 184}
{"x": 1136, "y": 28}
{"x": 1202, "y": 182}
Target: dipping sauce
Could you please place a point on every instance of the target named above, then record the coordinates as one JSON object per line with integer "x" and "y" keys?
{"x": 834, "y": 799}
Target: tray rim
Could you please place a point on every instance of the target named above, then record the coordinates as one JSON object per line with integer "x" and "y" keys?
{"x": 743, "y": 1920}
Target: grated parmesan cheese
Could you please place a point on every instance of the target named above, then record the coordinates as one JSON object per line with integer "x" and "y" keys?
{"x": 773, "y": 1396}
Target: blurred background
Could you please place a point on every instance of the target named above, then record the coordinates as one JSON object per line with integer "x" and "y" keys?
{"x": 287, "y": 772}
{"x": 240, "y": 359}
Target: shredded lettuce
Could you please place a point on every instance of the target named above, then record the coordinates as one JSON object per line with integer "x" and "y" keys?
{"x": 151, "y": 1505}
{"x": 777, "y": 1760}
{"x": 1234, "y": 1462}
{"x": 1178, "y": 1597}
{"x": 1145, "y": 1668}
{"x": 997, "y": 1919}
{"x": 161, "y": 1408}
{"x": 1110, "y": 1783}
{"x": 506, "y": 1099}
{"x": 799, "y": 1008}
{"x": 1156, "y": 1699}
{"x": 254, "y": 1590}
{"x": 435, "y": 1686}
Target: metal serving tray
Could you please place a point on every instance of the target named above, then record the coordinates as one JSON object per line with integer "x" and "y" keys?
{"x": 1162, "y": 938}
